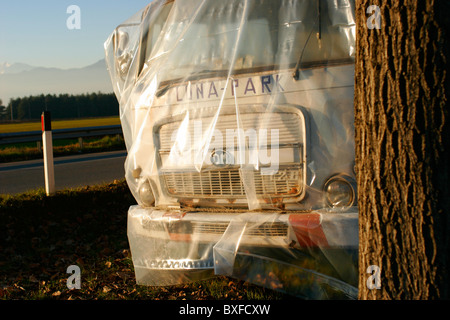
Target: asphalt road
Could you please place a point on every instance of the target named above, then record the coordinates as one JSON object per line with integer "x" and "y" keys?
{"x": 70, "y": 172}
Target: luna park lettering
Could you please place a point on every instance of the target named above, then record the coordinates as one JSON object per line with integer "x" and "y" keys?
{"x": 266, "y": 84}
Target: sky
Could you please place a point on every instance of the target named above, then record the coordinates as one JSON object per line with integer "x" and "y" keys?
{"x": 35, "y": 32}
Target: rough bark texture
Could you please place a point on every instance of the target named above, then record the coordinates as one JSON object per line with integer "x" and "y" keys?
{"x": 402, "y": 148}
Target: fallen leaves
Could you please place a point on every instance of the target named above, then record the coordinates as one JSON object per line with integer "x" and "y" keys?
{"x": 42, "y": 236}
{"x": 56, "y": 294}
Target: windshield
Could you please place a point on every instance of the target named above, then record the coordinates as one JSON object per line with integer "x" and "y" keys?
{"x": 237, "y": 36}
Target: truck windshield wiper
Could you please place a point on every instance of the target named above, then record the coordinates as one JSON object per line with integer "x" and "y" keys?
{"x": 296, "y": 73}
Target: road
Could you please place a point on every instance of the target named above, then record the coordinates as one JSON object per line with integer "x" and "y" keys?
{"x": 70, "y": 172}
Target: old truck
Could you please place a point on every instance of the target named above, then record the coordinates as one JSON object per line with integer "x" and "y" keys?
{"x": 238, "y": 122}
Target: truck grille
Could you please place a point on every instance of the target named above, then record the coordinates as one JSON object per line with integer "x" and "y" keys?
{"x": 289, "y": 126}
{"x": 275, "y": 229}
{"x": 226, "y": 182}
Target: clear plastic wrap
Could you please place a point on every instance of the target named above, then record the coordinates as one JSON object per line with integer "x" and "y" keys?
{"x": 238, "y": 122}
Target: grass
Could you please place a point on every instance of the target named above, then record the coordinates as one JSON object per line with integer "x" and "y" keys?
{"x": 61, "y": 147}
{"x": 30, "y": 151}
{"x": 41, "y": 236}
{"x": 59, "y": 124}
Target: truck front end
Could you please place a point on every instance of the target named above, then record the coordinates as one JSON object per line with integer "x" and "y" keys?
{"x": 238, "y": 121}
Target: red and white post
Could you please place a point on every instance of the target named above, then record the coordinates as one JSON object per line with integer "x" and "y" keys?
{"x": 47, "y": 143}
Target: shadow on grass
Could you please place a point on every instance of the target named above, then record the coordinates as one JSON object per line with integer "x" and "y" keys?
{"x": 40, "y": 237}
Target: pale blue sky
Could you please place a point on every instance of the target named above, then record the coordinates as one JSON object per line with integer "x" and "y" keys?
{"x": 35, "y": 31}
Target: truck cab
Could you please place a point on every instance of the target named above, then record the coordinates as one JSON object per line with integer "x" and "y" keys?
{"x": 238, "y": 122}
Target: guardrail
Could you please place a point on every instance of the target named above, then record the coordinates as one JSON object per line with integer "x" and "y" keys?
{"x": 36, "y": 136}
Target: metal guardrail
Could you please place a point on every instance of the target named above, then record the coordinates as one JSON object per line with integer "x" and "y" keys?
{"x": 35, "y": 136}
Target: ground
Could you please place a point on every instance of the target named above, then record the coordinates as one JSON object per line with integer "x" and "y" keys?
{"x": 42, "y": 236}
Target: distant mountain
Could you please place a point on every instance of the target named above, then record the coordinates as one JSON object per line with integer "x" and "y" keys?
{"x": 6, "y": 68}
{"x": 20, "y": 80}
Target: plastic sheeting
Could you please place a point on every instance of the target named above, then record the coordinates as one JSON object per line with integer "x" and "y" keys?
{"x": 238, "y": 121}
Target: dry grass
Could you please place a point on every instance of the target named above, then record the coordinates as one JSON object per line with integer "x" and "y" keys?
{"x": 41, "y": 236}
{"x": 30, "y": 151}
{"x": 59, "y": 124}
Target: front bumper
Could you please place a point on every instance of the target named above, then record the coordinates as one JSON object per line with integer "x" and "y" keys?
{"x": 173, "y": 247}
{"x": 306, "y": 229}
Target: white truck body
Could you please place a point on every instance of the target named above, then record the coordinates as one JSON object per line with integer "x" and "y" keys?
{"x": 238, "y": 119}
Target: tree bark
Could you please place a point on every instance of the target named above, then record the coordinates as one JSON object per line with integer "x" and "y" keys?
{"x": 402, "y": 148}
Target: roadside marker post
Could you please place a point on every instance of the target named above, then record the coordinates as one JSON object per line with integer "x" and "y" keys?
{"x": 47, "y": 142}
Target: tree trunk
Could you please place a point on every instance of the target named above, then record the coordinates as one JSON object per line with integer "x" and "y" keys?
{"x": 402, "y": 148}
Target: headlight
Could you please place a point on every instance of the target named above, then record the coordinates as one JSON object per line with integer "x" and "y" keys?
{"x": 146, "y": 194}
{"x": 339, "y": 192}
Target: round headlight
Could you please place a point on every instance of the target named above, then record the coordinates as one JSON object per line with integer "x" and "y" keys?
{"x": 146, "y": 194}
{"x": 339, "y": 193}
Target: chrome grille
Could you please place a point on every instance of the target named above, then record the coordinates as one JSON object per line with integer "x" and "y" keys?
{"x": 287, "y": 124}
{"x": 275, "y": 229}
{"x": 228, "y": 184}
{"x": 209, "y": 227}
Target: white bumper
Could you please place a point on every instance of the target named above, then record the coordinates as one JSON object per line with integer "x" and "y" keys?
{"x": 171, "y": 247}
